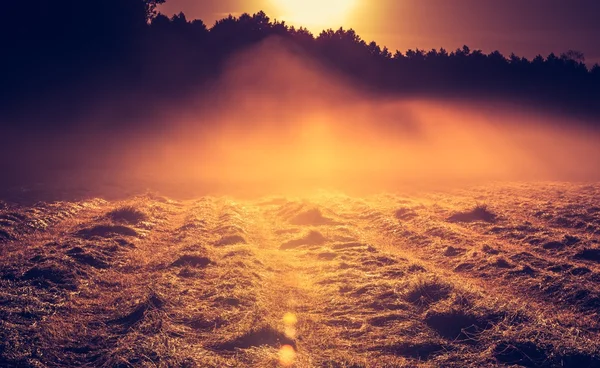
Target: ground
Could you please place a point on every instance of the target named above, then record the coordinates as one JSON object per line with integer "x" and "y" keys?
{"x": 495, "y": 275}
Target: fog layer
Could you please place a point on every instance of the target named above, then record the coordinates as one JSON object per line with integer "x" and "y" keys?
{"x": 276, "y": 122}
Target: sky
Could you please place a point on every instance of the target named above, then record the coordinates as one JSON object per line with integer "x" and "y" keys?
{"x": 525, "y": 27}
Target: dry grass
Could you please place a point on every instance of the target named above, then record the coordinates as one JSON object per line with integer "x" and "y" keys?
{"x": 478, "y": 213}
{"x": 216, "y": 283}
{"x": 425, "y": 291}
{"x": 128, "y": 215}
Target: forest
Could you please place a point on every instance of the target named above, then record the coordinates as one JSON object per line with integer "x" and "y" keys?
{"x": 62, "y": 57}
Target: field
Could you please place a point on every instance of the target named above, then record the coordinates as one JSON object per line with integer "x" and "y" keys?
{"x": 495, "y": 275}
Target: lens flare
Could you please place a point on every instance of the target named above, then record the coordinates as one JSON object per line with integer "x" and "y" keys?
{"x": 287, "y": 356}
{"x": 290, "y": 320}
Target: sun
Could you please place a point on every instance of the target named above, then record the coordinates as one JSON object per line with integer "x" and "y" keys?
{"x": 315, "y": 13}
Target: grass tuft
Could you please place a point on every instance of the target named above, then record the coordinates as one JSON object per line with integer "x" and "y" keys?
{"x": 479, "y": 213}
{"x": 262, "y": 336}
{"x": 152, "y": 302}
{"x": 425, "y": 291}
{"x": 458, "y": 324}
{"x": 526, "y": 354}
{"x": 421, "y": 350}
{"x": 128, "y": 215}
{"x": 192, "y": 261}
{"x": 312, "y": 217}
{"x": 5, "y": 235}
{"x": 312, "y": 238}
{"x": 106, "y": 231}
{"x": 47, "y": 275}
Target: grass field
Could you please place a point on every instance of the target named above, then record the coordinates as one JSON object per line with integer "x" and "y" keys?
{"x": 497, "y": 275}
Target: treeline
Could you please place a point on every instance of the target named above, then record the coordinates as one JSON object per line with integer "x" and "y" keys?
{"x": 64, "y": 56}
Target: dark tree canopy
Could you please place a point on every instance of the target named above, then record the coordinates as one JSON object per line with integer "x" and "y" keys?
{"x": 54, "y": 50}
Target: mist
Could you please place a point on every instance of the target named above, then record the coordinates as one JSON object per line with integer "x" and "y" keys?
{"x": 279, "y": 122}
{"x": 276, "y": 121}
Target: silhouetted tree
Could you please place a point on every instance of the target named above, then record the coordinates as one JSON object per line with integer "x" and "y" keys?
{"x": 573, "y": 55}
{"x": 63, "y": 45}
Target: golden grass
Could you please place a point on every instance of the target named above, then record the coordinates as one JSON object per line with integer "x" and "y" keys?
{"x": 331, "y": 282}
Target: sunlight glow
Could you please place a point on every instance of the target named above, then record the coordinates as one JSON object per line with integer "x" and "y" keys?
{"x": 287, "y": 355}
{"x": 315, "y": 13}
{"x": 290, "y": 320}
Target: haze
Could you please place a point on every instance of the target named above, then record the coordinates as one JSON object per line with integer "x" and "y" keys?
{"x": 275, "y": 122}
{"x": 246, "y": 193}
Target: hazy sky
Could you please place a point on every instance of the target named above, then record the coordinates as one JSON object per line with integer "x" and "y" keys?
{"x": 525, "y": 27}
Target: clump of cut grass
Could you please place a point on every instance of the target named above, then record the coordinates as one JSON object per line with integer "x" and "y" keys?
{"x": 553, "y": 245}
{"x": 264, "y": 335}
{"x": 351, "y": 245}
{"x": 458, "y": 324}
{"x": 312, "y": 217}
{"x": 5, "y": 235}
{"x": 589, "y": 255}
{"x": 489, "y": 250}
{"x": 88, "y": 258}
{"x": 578, "y": 271}
{"x": 187, "y": 272}
{"x": 48, "y": 275}
{"x": 327, "y": 255}
{"x": 341, "y": 362}
{"x": 451, "y": 251}
{"x": 231, "y": 240}
{"x": 312, "y": 238}
{"x": 106, "y": 231}
{"x": 527, "y": 354}
{"x": 382, "y": 320}
{"x": 203, "y": 323}
{"x": 525, "y": 270}
{"x": 151, "y": 302}
{"x": 128, "y": 215}
{"x": 501, "y": 262}
{"x": 479, "y": 213}
{"x": 580, "y": 359}
{"x": 415, "y": 268}
{"x": 405, "y": 214}
{"x": 192, "y": 261}
{"x": 421, "y": 350}
{"x": 426, "y": 291}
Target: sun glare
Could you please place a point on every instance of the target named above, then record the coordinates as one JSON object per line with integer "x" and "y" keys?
{"x": 287, "y": 356}
{"x": 315, "y": 13}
